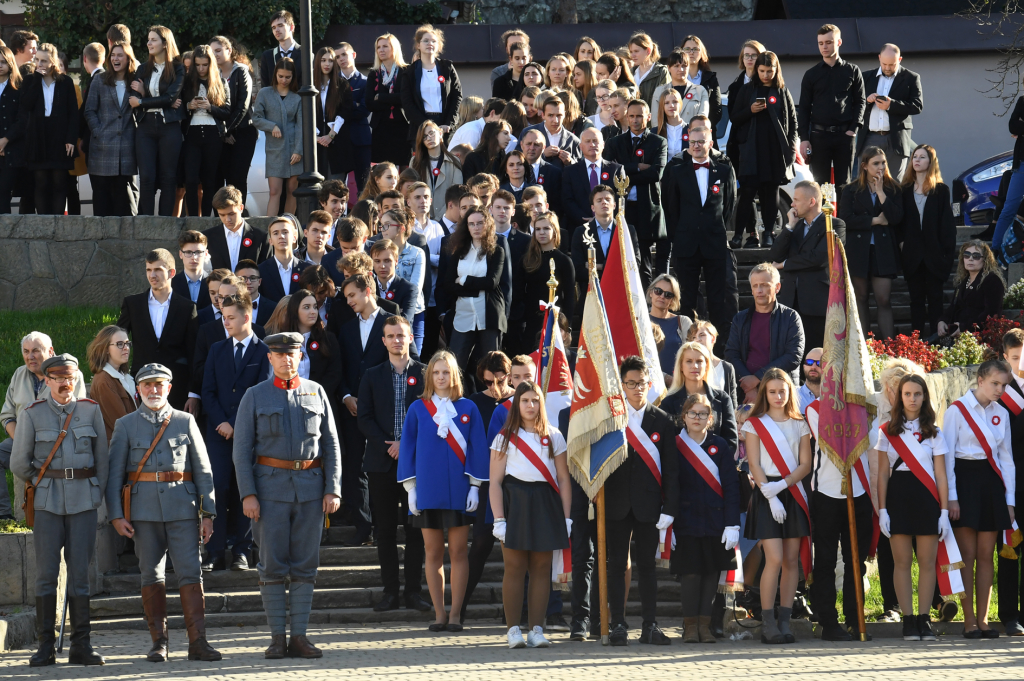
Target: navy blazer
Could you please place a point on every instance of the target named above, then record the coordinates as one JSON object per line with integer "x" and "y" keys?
{"x": 12, "y": 127}
{"x": 576, "y": 190}
{"x": 402, "y": 293}
{"x": 376, "y": 413}
{"x": 180, "y": 286}
{"x": 549, "y": 176}
{"x": 255, "y": 246}
{"x": 518, "y": 243}
{"x": 356, "y": 358}
{"x": 270, "y": 284}
{"x": 264, "y": 307}
{"x": 357, "y": 123}
{"x": 208, "y": 335}
{"x": 206, "y": 315}
{"x": 223, "y": 387}
{"x": 568, "y": 142}
{"x": 701, "y": 512}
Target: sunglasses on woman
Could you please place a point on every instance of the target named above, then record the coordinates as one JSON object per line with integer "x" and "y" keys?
{"x": 662, "y": 293}
{"x": 973, "y": 255}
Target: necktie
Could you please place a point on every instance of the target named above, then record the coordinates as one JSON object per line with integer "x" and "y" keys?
{"x": 705, "y": 164}
{"x": 239, "y": 351}
{"x": 593, "y": 176}
{"x": 637, "y": 141}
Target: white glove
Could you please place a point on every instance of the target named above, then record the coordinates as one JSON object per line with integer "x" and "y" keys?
{"x": 664, "y": 521}
{"x": 778, "y": 510}
{"x": 770, "y": 490}
{"x": 413, "y": 508}
{"x": 945, "y": 529}
{"x": 568, "y": 527}
{"x": 473, "y": 499}
{"x": 883, "y": 521}
{"x": 499, "y": 529}
{"x": 673, "y": 540}
{"x": 731, "y": 536}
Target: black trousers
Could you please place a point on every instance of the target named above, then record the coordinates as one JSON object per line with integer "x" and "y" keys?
{"x": 25, "y": 187}
{"x": 468, "y": 347}
{"x": 768, "y": 194}
{"x": 1011, "y": 585}
{"x": 814, "y": 331}
{"x": 202, "y": 151}
{"x": 355, "y": 487}
{"x": 925, "y": 292}
{"x": 113, "y": 196}
{"x": 652, "y": 262}
{"x": 8, "y": 181}
{"x": 646, "y": 537}
{"x": 721, "y": 304}
{"x": 831, "y": 150}
{"x": 585, "y": 601}
{"x": 51, "y": 191}
{"x": 358, "y": 163}
{"x": 390, "y": 509}
{"x": 831, "y": 524}
{"x": 480, "y": 550}
{"x": 157, "y": 146}
{"x": 74, "y": 198}
{"x": 235, "y": 159}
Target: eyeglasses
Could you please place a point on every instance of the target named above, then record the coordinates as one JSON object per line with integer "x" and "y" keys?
{"x": 749, "y": 57}
{"x": 251, "y": 280}
{"x": 192, "y": 254}
{"x": 691, "y": 50}
{"x": 62, "y": 380}
{"x": 972, "y": 255}
{"x": 667, "y": 295}
{"x": 698, "y": 415}
{"x": 633, "y": 385}
{"x": 697, "y": 143}
{"x": 603, "y": 98}
{"x": 812, "y": 362}
{"x": 121, "y": 345}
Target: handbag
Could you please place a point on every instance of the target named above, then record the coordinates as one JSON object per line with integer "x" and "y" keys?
{"x": 29, "y": 504}
{"x": 126, "y": 491}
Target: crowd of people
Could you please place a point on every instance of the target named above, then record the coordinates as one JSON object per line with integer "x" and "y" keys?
{"x": 382, "y": 355}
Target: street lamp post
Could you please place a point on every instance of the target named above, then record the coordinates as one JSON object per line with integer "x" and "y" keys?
{"x": 310, "y": 179}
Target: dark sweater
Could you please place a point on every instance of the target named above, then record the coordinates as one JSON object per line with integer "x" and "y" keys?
{"x": 972, "y": 304}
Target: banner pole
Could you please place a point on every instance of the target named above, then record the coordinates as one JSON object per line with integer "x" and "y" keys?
{"x": 602, "y": 564}
{"x": 855, "y": 559}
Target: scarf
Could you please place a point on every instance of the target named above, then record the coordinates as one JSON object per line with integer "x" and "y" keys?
{"x": 387, "y": 77}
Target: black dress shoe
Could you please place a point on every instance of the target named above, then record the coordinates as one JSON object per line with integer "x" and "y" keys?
{"x": 834, "y": 632}
{"x": 239, "y": 563}
{"x": 417, "y": 602}
{"x": 737, "y": 240}
{"x": 360, "y": 540}
{"x": 767, "y": 239}
{"x": 752, "y": 242}
{"x": 215, "y": 565}
{"x": 653, "y": 635}
{"x": 386, "y": 602}
{"x": 619, "y": 635}
{"x": 578, "y": 630}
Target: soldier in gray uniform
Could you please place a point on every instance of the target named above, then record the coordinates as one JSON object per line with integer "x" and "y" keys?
{"x": 66, "y": 498}
{"x": 172, "y": 505}
{"x": 287, "y": 459}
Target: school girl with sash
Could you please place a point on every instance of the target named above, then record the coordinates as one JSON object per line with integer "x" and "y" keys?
{"x": 531, "y": 500}
{"x": 778, "y": 445}
{"x": 442, "y": 460}
{"x": 707, "y": 522}
{"x": 982, "y": 481}
{"x": 912, "y": 496}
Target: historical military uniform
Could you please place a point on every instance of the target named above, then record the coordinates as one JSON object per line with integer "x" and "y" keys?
{"x": 168, "y": 496}
{"x": 66, "y": 499}
{"x": 287, "y": 453}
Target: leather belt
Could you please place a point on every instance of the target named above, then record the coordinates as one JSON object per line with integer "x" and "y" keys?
{"x": 298, "y": 465}
{"x": 883, "y": 133}
{"x": 161, "y": 476}
{"x": 70, "y": 473}
{"x": 827, "y": 128}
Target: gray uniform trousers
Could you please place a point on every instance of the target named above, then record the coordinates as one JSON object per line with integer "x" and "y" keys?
{"x": 179, "y": 538}
{"x": 76, "y": 534}
{"x": 288, "y": 534}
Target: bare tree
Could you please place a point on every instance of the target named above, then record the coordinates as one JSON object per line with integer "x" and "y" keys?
{"x": 1001, "y": 18}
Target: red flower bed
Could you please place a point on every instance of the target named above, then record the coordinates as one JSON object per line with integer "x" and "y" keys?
{"x": 993, "y": 330}
{"x": 911, "y": 347}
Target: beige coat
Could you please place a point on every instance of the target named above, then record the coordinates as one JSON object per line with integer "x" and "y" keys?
{"x": 21, "y": 393}
{"x": 694, "y": 106}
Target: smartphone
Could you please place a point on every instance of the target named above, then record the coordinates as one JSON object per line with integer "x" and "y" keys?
{"x": 881, "y": 97}
{"x": 761, "y": 100}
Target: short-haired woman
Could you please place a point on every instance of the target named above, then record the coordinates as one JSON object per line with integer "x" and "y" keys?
{"x": 113, "y": 387}
{"x": 278, "y": 113}
{"x": 979, "y": 290}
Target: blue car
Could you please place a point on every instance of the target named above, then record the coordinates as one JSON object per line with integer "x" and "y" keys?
{"x": 973, "y": 190}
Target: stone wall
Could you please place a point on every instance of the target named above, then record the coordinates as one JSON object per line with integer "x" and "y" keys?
{"x": 48, "y": 261}
{"x": 611, "y": 11}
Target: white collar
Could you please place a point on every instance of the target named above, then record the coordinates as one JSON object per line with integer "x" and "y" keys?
{"x": 285, "y": 268}
{"x": 631, "y": 412}
{"x": 126, "y": 381}
{"x": 593, "y": 163}
{"x": 154, "y": 301}
{"x": 368, "y": 320}
{"x": 293, "y": 46}
{"x": 233, "y": 235}
{"x": 882, "y": 75}
{"x": 245, "y": 342}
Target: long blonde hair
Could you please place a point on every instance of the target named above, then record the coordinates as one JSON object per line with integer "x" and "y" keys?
{"x": 665, "y": 95}
{"x": 678, "y": 380}
{"x": 761, "y": 405}
{"x": 396, "y": 51}
{"x": 456, "y": 376}
{"x": 514, "y": 421}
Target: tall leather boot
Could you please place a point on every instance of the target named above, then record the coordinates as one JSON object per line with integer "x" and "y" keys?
{"x": 46, "y": 618}
{"x": 154, "y": 602}
{"x": 193, "y": 606}
{"x": 81, "y": 650}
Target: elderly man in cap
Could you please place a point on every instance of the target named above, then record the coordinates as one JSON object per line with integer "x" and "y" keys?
{"x": 159, "y": 453}
{"x": 60, "y": 447}
{"x": 288, "y": 462}
{"x": 27, "y": 385}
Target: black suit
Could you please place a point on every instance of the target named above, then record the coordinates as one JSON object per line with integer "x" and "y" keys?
{"x": 905, "y": 100}
{"x": 412, "y": 100}
{"x": 207, "y": 315}
{"x": 270, "y": 283}
{"x": 567, "y": 142}
{"x": 326, "y": 367}
{"x": 635, "y": 502}
{"x": 576, "y": 190}
{"x": 645, "y": 214}
{"x": 929, "y": 245}
{"x": 208, "y": 334}
{"x": 402, "y": 293}
{"x": 255, "y": 246}
{"x": 580, "y": 250}
{"x": 180, "y": 286}
{"x": 390, "y": 501}
{"x": 175, "y": 346}
{"x": 341, "y": 314}
{"x": 263, "y": 308}
{"x": 857, "y": 210}
{"x": 269, "y": 59}
{"x": 549, "y": 177}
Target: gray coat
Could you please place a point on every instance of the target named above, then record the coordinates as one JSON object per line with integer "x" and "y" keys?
{"x": 269, "y": 111}
{"x": 112, "y": 131}
{"x": 85, "y": 446}
{"x": 180, "y": 449}
{"x": 294, "y": 425}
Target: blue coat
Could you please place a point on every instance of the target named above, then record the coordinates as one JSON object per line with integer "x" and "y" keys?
{"x": 357, "y": 124}
{"x": 223, "y": 389}
{"x": 442, "y": 481}
{"x": 498, "y": 418}
{"x": 702, "y": 513}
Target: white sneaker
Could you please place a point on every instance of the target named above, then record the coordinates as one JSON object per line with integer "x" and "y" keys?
{"x": 535, "y": 639}
{"x": 515, "y": 638}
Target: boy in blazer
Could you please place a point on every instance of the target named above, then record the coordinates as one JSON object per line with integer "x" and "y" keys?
{"x": 392, "y": 287}
{"x": 279, "y": 275}
{"x": 561, "y": 147}
{"x": 357, "y": 125}
{"x": 192, "y": 282}
{"x": 601, "y": 229}
{"x": 236, "y": 239}
{"x": 248, "y": 272}
{"x": 282, "y": 24}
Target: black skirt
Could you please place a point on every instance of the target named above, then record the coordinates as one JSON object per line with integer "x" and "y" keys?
{"x": 440, "y": 519}
{"x": 981, "y": 496}
{"x": 701, "y": 556}
{"x": 912, "y": 508}
{"x": 534, "y": 519}
{"x": 761, "y": 524}
{"x": 873, "y": 271}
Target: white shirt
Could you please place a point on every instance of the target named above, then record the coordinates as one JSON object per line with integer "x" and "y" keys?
{"x": 154, "y": 83}
{"x": 285, "y": 272}
{"x": 430, "y": 91}
{"x": 244, "y": 343}
{"x": 121, "y": 88}
{"x": 702, "y": 180}
{"x": 825, "y": 477}
{"x": 879, "y": 119}
{"x": 716, "y": 377}
{"x": 469, "y": 133}
{"x": 433, "y": 233}
{"x": 596, "y": 120}
{"x": 553, "y": 139}
{"x": 674, "y": 135}
{"x": 639, "y": 77}
{"x": 635, "y": 416}
{"x": 3, "y": 86}
{"x": 596, "y": 165}
{"x": 200, "y": 116}
{"x": 234, "y": 240}
{"x": 961, "y": 442}
{"x": 48, "y": 97}
{"x": 516, "y": 463}
{"x": 536, "y": 171}
{"x": 158, "y": 313}
{"x": 304, "y": 362}
{"x": 471, "y": 313}
{"x": 935, "y": 446}
{"x": 793, "y": 430}
{"x": 338, "y": 121}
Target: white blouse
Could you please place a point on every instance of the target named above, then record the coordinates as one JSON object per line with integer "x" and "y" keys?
{"x": 674, "y": 135}
{"x": 430, "y": 91}
{"x": 471, "y": 312}
{"x": 793, "y": 430}
{"x": 154, "y": 83}
{"x": 960, "y": 440}
{"x": 201, "y": 116}
{"x": 516, "y": 463}
{"x": 935, "y": 446}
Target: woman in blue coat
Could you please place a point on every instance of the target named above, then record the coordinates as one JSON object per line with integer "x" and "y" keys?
{"x": 442, "y": 460}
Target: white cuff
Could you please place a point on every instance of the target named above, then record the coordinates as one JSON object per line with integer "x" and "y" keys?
{"x": 191, "y": 395}
{"x": 474, "y": 482}
{"x": 336, "y": 125}
{"x": 409, "y": 484}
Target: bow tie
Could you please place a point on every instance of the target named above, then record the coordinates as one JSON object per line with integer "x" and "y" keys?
{"x": 705, "y": 164}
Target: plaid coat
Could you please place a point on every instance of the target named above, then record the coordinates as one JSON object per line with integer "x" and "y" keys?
{"x": 112, "y": 131}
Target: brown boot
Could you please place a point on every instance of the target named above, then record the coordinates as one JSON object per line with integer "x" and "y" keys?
{"x": 690, "y": 630}
{"x": 704, "y": 630}
{"x": 154, "y": 602}
{"x": 193, "y": 606}
{"x": 278, "y": 647}
{"x": 300, "y": 646}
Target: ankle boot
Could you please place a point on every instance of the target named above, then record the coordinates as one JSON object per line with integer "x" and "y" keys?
{"x": 769, "y": 630}
{"x": 193, "y": 606}
{"x": 154, "y": 603}
{"x": 81, "y": 651}
{"x": 704, "y": 630}
{"x": 785, "y": 614}
{"x": 690, "y": 633}
{"x": 46, "y": 618}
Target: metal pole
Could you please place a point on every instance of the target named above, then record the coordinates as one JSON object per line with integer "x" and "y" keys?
{"x": 855, "y": 558}
{"x": 310, "y": 179}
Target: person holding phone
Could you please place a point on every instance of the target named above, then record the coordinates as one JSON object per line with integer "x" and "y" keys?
{"x": 895, "y": 98}
{"x": 207, "y": 107}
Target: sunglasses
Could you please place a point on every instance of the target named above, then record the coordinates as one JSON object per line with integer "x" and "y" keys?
{"x": 667, "y": 295}
{"x": 812, "y": 362}
{"x": 495, "y": 380}
{"x": 972, "y": 255}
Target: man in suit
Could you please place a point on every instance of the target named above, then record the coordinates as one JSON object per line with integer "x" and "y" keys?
{"x": 547, "y": 175}
{"x": 315, "y": 235}
{"x": 357, "y": 124}
{"x": 503, "y": 205}
{"x": 800, "y": 253}
{"x": 580, "y": 179}
{"x": 191, "y": 281}
{"x": 283, "y": 25}
{"x": 391, "y": 286}
{"x": 350, "y": 236}
{"x": 562, "y": 148}
{"x": 894, "y": 95}
{"x": 235, "y": 240}
{"x": 248, "y": 272}
{"x": 162, "y": 325}
{"x": 385, "y": 395}
{"x": 235, "y": 365}
{"x": 599, "y": 231}
{"x": 643, "y": 155}
{"x": 333, "y": 198}
{"x": 280, "y": 274}
{"x": 698, "y": 195}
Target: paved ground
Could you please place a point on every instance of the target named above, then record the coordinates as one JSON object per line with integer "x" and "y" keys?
{"x": 411, "y": 653}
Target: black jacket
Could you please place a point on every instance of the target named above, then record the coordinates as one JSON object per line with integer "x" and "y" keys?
{"x": 269, "y": 59}
{"x": 633, "y": 487}
{"x": 518, "y": 244}
{"x": 649, "y": 220}
{"x": 46, "y": 136}
{"x": 270, "y": 283}
{"x": 701, "y": 512}
{"x": 326, "y": 367}
{"x": 693, "y": 226}
{"x": 496, "y": 316}
{"x": 507, "y": 88}
{"x": 787, "y": 342}
{"x": 376, "y": 412}
{"x": 12, "y": 127}
{"x": 576, "y": 190}
{"x": 780, "y": 114}
{"x": 385, "y": 102}
{"x": 255, "y": 246}
{"x": 402, "y": 293}
{"x": 580, "y": 251}
{"x": 169, "y": 92}
{"x": 356, "y": 358}
{"x": 341, "y": 313}
{"x": 478, "y": 162}
{"x": 208, "y": 334}
{"x": 412, "y": 101}
{"x": 340, "y": 149}
{"x": 219, "y": 113}
{"x": 806, "y": 265}
{"x": 241, "y": 99}
{"x": 905, "y": 100}
{"x": 721, "y": 405}
{"x": 857, "y": 210}
{"x": 929, "y": 238}
{"x": 441, "y": 296}
{"x": 532, "y": 287}
{"x": 180, "y": 286}
{"x": 1016, "y": 124}
{"x": 709, "y": 81}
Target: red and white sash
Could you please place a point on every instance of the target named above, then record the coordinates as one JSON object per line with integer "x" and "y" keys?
{"x": 1012, "y": 399}
{"x": 948, "y": 560}
{"x": 648, "y": 451}
{"x": 455, "y": 438}
{"x": 732, "y": 580}
{"x": 982, "y": 434}
{"x": 561, "y": 562}
{"x": 774, "y": 441}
